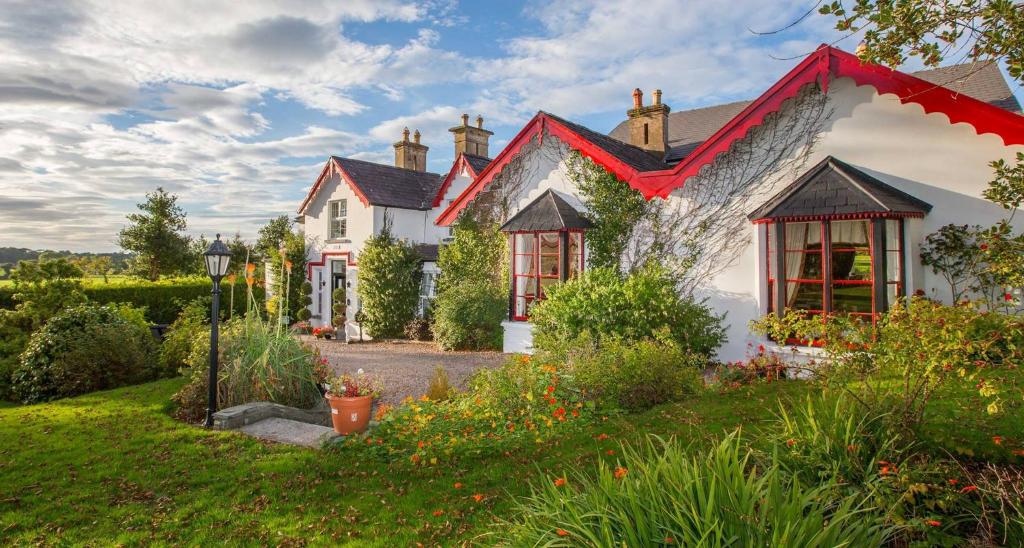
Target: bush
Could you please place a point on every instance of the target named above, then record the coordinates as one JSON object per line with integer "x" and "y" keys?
{"x": 192, "y": 323}
{"x": 635, "y": 375}
{"x": 659, "y": 495}
{"x": 762, "y": 366}
{"x": 81, "y": 350}
{"x": 389, "y": 284}
{"x": 440, "y": 388}
{"x": 164, "y": 299}
{"x": 917, "y": 347}
{"x": 469, "y": 316}
{"x": 526, "y": 401}
{"x": 258, "y": 361}
{"x": 634, "y": 307}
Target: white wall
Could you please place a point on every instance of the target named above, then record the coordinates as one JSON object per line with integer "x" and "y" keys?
{"x": 920, "y": 154}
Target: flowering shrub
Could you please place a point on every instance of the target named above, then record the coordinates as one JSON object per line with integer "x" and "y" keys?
{"x": 302, "y": 327}
{"x": 762, "y": 366}
{"x": 911, "y": 351}
{"x": 524, "y": 401}
{"x": 325, "y": 332}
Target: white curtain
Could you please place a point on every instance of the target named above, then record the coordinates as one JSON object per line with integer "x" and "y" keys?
{"x": 796, "y": 238}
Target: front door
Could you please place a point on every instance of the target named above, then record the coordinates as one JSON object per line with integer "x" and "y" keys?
{"x": 338, "y": 298}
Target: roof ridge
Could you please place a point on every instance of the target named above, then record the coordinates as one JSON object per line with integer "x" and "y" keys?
{"x": 347, "y": 159}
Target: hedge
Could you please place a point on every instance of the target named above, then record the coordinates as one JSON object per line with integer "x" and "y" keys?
{"x": 163, "y": 300}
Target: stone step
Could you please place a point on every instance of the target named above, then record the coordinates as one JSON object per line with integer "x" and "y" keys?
{"x": 290, "y": 432}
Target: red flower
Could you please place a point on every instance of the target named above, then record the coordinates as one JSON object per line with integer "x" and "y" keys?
{"x": 562, "y": 532}
{"x": 415, "y": 459}
{"x": 438, "y": 513}
{"x": 998, "y": 440}
{"x": 620, "y": 472}
{"x": 983, "y": 246}
{"x": 458, "y": 485}
{"x": 478, "y": 497}
{"x": 551, "y": 389}
{"x": 575, "y": 413}
{"x": 559, "y": 482}
{"x": 790, "y": 442}
{"x": 610, "y": 452}
{"x": 954, "y": 481}
{"x": 1007, "y": 297}
{"x": 969, "y": 489}
{"x": 670, "y": 540}
{"x": 760, "y": 349}
{"x": 602, "y": 437}
{"x": 1018, "y": 452}
{"x": 934, "y": 523}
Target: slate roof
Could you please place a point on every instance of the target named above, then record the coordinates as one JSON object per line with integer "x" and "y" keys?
{"x": 688, "y": 129}
{"x": 390, "y": 186}
{"x": 634, "y": 156}
{"x": 427, "y": 252}
{"x": 834, "y": 187}
{"x": 548, "y": 212}
{"x": 478, "y": 163}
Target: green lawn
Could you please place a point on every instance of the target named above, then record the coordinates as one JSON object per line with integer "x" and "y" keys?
{"x": 114, "y": 467}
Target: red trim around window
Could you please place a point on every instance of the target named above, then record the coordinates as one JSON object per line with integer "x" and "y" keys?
{"x": 323, "y": 261}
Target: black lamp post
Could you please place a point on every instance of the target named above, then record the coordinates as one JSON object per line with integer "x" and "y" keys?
{"x": 216, "y": 258}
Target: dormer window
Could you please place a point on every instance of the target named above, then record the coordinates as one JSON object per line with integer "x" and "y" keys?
{"x": 338, "y": 211}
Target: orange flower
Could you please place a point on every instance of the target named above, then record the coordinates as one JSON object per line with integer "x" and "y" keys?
{"x": 670, "y": 540}
{"x": 602, "y": 437}
{"x": 437, "y": 513}
{"x": 620, "y": 472}
{"x": 415, "y": 459}
{"x": 969, "y": 489}
{"x": 934, "y": 522}
{"x": 458, "y": 485}
{"x": 610, "y": 452}
{"x": 559, "y": 532}
{"x": 851, "y": 448}
{"x": 288, "y": 266}
{"x": 954, "y": 481}
{"x": 559, "y": 482}
{"x": 419, "y": 444}
{"x": 1018, "y": 452}
{"x": 231, "y": 278}
{"x": 790, "y": 442}
{"x": 478, "y": 497}
{"x": 249, "y": 268}
{"x": 998, "y": 440}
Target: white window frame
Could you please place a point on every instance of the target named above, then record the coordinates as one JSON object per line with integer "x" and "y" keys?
{"x": 428, "y": 290}
{"x": 341, "y": 216}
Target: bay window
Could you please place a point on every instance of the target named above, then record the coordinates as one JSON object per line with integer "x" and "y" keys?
{"x": 834, "y": 265}
{"x": 540, "y": 260}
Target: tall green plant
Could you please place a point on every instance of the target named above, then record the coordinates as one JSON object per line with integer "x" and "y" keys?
{"x": 614, "y": 207}
{"x": 288, "y": 280}
{"x": 658, "y": 494}
{"x": 157, "y": 236}
{"x": 389, "y": 273}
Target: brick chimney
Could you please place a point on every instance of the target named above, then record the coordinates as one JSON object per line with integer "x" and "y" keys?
{"x": 469, "y": 139}
{"x": 411, "y": 154}
{"x": 648, "y": 126}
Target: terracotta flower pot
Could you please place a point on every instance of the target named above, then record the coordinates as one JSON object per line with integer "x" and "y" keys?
{"x": 350, "y": 414}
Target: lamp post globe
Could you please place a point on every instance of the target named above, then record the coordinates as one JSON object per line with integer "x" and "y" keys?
{"x": 216, "y": 259}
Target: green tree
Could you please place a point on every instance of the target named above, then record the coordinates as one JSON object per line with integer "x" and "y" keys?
{"x": 471, "y": 291}
{"x": 42, "y": 288}
{"x": 288, "y": 280}
{"x": 613, "y": 206}
{"x": 156, "y": 236}
{"x": 271, "y": 235}
{"x": 389, "y": 274}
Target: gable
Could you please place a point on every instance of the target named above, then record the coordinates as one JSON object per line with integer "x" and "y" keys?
{"x": 379, "y": 184}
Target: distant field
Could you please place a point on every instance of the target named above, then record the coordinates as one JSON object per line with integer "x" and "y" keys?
{"x": 111, "y": 280}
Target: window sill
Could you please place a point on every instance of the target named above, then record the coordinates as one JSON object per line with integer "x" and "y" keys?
{"x": 341, "y": 241}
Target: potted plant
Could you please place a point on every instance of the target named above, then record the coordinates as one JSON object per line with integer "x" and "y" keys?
{"x": 351, "y": 399}
{"x": 327, "y": 332}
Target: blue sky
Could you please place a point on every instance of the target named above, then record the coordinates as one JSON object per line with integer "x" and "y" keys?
{"x": 236, "y": 109}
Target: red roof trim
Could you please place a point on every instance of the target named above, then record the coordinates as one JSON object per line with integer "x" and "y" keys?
{"x": 540, "y": 124}
{"x": 821, "y": 66}
{"x": 323, "y": 261}
{"x": 330, "y": 168}
{"x": 460, "y": 162}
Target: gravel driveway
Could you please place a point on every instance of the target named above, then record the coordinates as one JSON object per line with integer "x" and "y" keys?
{"x": 404, "y": 368}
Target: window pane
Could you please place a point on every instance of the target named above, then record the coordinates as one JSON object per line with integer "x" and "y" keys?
{"x": 803, "y": 266}
{"x": 549, "y": 265}
{"x": 342, "y": 208}
{"x": 575, "y": 253}
{"x": 526, "y": 257}
{"x": 892, "y": 266}
{"x": 851, "y": 298}
{"x": 851, "y": 251}
{"x": 803, "y": 236}
{"x": 805, "y": 296}
{"x": 549, "y": 242}
{"x": 892, "y": 234}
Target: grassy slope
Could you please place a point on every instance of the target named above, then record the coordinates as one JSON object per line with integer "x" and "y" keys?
{"x": 114, "y": 467}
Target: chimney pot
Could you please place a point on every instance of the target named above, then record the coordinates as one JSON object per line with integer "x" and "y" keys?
{"x": 405, "y": 135}
{"x": 465, "y": 119}
{"x": 416, "y": 137}
{"x": 638, "y": 98}
{"x": 479, "y": 121}
{"x": 657, "y": 97}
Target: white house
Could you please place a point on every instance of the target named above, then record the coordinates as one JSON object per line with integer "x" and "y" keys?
{"x": 816, "y": 196}
{"x": 349, "y": 200}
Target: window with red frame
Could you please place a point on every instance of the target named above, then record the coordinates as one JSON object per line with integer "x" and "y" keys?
{"x": 829, "y": 266}
{"x": 537, "y": 259}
